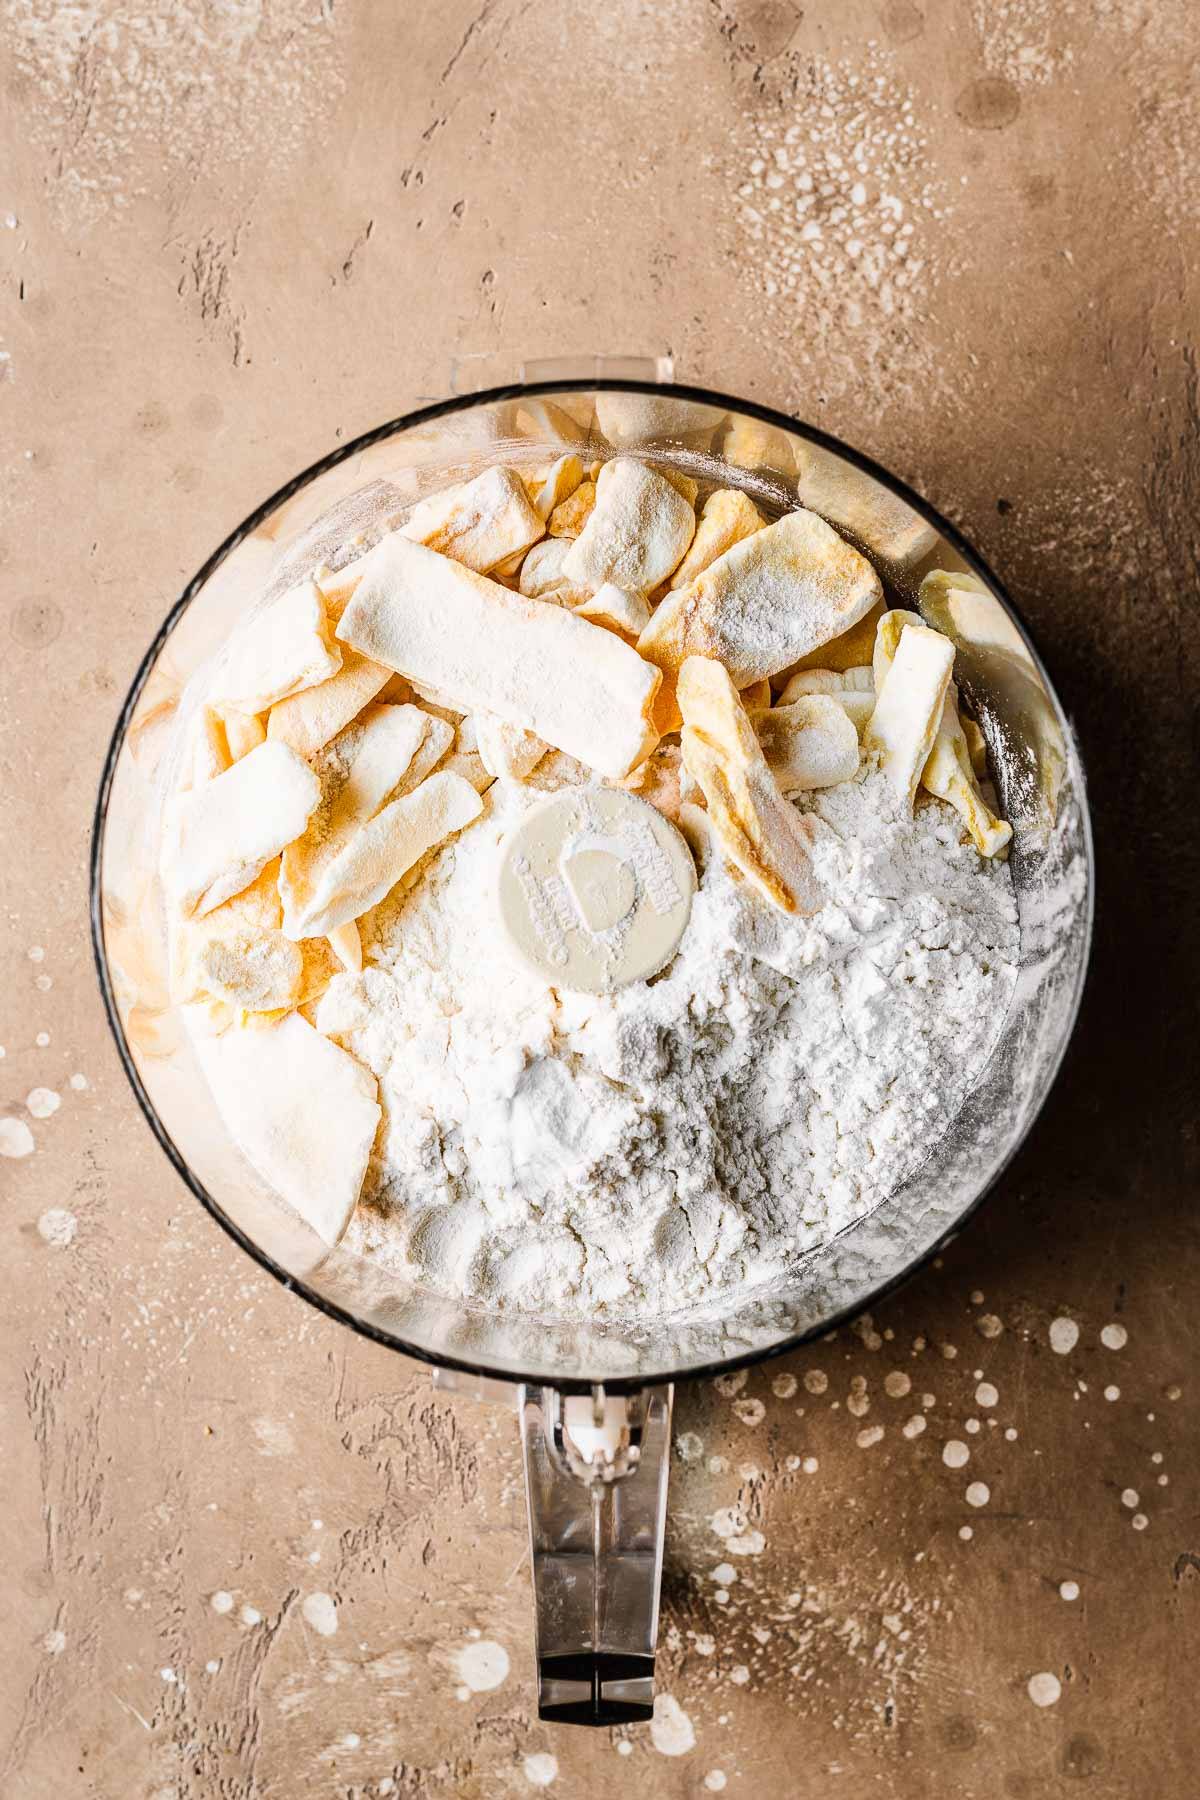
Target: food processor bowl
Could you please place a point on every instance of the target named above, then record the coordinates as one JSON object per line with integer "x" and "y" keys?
{"x": 594, "y": 1397}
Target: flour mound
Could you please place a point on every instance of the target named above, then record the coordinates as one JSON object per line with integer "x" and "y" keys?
{"x": 632, "y": 1154}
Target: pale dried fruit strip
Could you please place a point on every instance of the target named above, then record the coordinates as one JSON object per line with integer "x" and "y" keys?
{"x": 370, "y": 865}
{"x": 551, "y": 487}
{"x": 346, "y": 943}
{"x": 208, "y": 748}
{"x": 387, "y": 750}
{"x": 546, "y": 488}
{"x": 307, "y": 721}
{"x": 829, "y": 681}
{"x": 284, "y": 648}
{"x": 976, "y": 744}
{"x": 887, "y": 641}
{"x": 542, "y": 575}
{"x": 766, "y": 602}
{"x": 637, "y": 532}
{"x": 908, "y": 708}
{"x": 572, "y": 514}
{"x": 258, "y": 971}
{"x": 222, "y": 833}
{"x": 811, "y": 743}
{"x": 726, "y": 517}
{"x": 853, "y": 689}
{"x": 479, "y": 524}
{"x": 949, "y": 775}
{"x": 302, "y": 1111}
{"x": 243, "y": 732}
{"x": 534, "y": 664}
{"x": 760, "y": 831}
{"x": 507, "y": 750}
{"x": 616, "y": 608}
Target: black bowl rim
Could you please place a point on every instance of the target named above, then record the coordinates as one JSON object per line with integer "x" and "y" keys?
{"x": 405, "y": 421}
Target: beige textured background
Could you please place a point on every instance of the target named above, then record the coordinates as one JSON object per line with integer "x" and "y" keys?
{"x": 232, "y": 231}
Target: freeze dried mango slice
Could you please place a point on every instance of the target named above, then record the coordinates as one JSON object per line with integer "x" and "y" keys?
{"x": 307, "y": 721}
{"x": 302, "y": 1111}
{"x": 387, "y": 750}
{"x": 828, "y": 681}
{"x": 285, "y": 647}
{"x": 507, "y": 750}
{"x": 908, "y": 709}
{"x": 346, "y": 943}
{"x": 887, "y": 641}
{"x": 535, "y": 664}
{"x": 375, "y": 858}
{"x": 636, "y": 533}
{"x": 258, "y": 971}
{"x": 949, "y": 775}
{"x": 243, "y": 732}
{"x": 572, "y": 514}
{"x": 542, "y": 576}
{"x": 853, "y": 689}
{"x": 208, "y": 748}
{"x": 757, "y": 697}
{"x": 617, "y": 609}
{"x": 760, "y": 831}
{"x": 726, "y": 517}
{"x": 480, "y": 524}
{"x": 219, "y": 836}
{"x": 976, "y": 744}
{"x": 811, "y": 743}
{"x": 766, "y": 602}
{"x": 548, "y": 488}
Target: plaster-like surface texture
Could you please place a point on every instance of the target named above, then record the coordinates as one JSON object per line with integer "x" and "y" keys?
{"x": 249, "y": 1556}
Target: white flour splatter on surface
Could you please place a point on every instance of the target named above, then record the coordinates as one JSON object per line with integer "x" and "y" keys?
{"x": 1064, "y": 1335}
{"x": 839, "y": 208}
{"x": 123, "y": 91}
{"x": 1044, "y": 1689}
{"x": 58, "y": 1226}
{"x": 541, "y": 1769}
{"x": 319, "y": 1611}
{"x": 42, "y": 1102}
{"x": 671, "y": 1730}
{"x": 273, "y": 1437}
{"x": 481, "y": 1665}
{"x": 1022, "y": 40}
{"x": 16, "y": 1139}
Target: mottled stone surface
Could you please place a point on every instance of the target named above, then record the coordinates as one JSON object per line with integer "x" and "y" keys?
{"x": 245, "y": 1551}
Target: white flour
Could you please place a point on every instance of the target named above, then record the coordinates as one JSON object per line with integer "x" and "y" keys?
{"x": 636, "y": 1153}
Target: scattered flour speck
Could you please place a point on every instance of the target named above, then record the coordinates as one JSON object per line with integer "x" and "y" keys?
{"x": 482, "y": 1665}
{"x": 58, "y": 1227}
{"x": 16, "y": 1139}
{"x": 1044, "y": 1689}
{"x": 541, "y": 1769}
{"x": 1064, "y": 1335}
{"x": 320, "y": 1612}
{"x": 671, "y": 1730}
